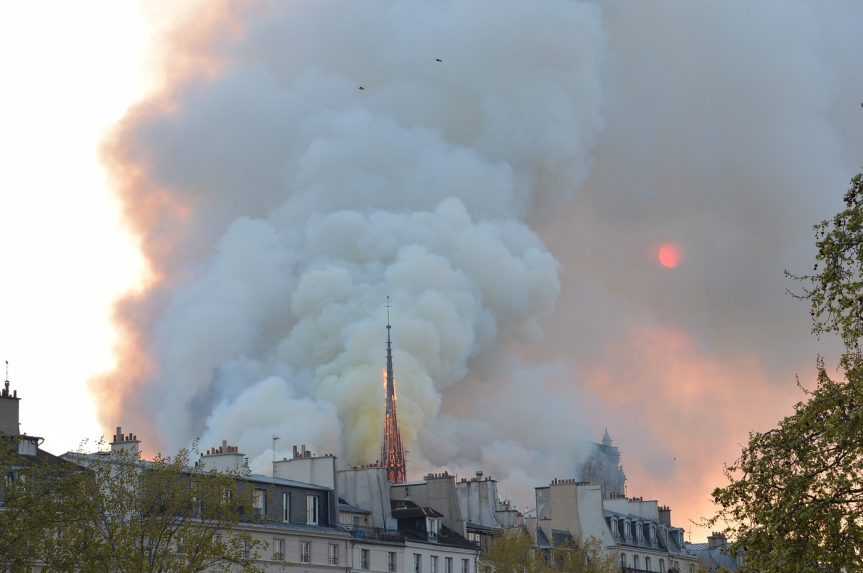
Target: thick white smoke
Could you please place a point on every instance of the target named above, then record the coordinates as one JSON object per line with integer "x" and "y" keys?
{"x": 341, "y": 153}
{"x": 306, "y": 159}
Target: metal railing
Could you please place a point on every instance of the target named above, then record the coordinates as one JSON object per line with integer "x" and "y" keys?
{"x": 376, "y": 533}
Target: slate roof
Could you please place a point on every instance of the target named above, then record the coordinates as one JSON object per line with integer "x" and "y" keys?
{"x": 346, "y": 507}
{"x": 407, "y": 509}
{"x": 713, "y": 559}
{"x": 261, "y": 478}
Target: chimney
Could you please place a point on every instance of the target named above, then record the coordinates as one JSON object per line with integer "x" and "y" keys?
{"x": 125, "y": 445}
{"x": 9, "y": 412}
{"x": 716, "y": 540}
{"x": 224, "y": 459}
{"x": 665, "y": 515}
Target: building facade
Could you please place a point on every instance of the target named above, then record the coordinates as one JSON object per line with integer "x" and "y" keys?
{"x": 635, "y": 532}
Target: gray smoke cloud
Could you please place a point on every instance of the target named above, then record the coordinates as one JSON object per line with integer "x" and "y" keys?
{"x": 311, "y": 158}
{"x": 340, "y": 154}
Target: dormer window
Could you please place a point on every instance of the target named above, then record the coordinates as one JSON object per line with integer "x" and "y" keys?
{"x": 312, "y": 508}
{"x": 433, "y": 528}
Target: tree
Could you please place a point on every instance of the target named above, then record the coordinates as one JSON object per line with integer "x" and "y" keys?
{"x": 795, "y": 497}
{"x": 835, "y": 290}
{"x": 114, "y": 513}
{"x": 514, "y": 553}
{"x": 794, "y": 501}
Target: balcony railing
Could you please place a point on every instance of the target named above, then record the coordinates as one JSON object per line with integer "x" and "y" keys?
{"x": 377, "y": 533}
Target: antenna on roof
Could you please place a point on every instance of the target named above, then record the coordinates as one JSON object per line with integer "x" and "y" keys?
{"x": 275, "y": 439}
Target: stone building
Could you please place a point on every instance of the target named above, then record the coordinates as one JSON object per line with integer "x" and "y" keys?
{"x": 19, "y": 450}
{"x": 637, "y": 533}
{"x": 715, "y": 556}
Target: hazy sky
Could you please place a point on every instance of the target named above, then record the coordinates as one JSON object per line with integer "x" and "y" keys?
{"x": 583, "y": 212}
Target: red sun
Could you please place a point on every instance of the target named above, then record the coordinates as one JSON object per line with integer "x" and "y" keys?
{"x": 669, "y": 255}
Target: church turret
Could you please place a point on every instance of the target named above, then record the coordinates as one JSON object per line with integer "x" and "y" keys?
{"x": 606, "y": 439}
{"x": 392, "y": 452}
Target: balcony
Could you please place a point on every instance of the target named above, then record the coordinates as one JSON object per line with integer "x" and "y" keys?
{"x": 376, "y": 533}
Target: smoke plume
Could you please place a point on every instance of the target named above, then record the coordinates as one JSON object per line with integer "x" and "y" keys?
{"x": 326, "y": 155}
{"x": 505, "y": 171}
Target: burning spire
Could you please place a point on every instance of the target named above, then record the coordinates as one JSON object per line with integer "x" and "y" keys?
{"x": 392, "y": 452}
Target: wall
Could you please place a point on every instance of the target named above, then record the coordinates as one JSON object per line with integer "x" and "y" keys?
{"x": 438, "y": 492}
{"x": 426, "y": 550}
{"x": 320, "y": 541}
{"x": 648, "y": 510}
{"x": 368, "y": 488}
{"x": 478, "y": 501}
{"x": 9, "y": 416}
{"x": 297, "y": 502}
{"x": 315, "y": 470}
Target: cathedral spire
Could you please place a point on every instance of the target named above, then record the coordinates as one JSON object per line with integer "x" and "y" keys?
{"x": 392, "y": 452}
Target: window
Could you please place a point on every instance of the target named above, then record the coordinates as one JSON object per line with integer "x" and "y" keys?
{"x": 635, "y": 562}
{"x": 259, "y": 502}
{"x": 691, "y": 568}
{"x": 286, "y": 507}
{"x": 227, "y": 495}
{"x": 434, "y": 564}
{"x": 646, "y": 532}
{"x": 448, "y": 564}
{"x": 662, "y": 566}
{"x": 305, "y": 551}
{"x": 391, "y": 562}
{"x": 418, "y": 563}
{"x": 333, "y": 554}
{"x": 465, "y": 566}
{"x": 311, "y": 510}
{"x": 247, "y": 549}
{"x": 433, "y": 528}
{"x": 278, "y": 548}
{"x": 364, "y": 559}
{"x": 356, "y": 520}
{"x": 647, "y": 563}
{"x": 623, "y": 560}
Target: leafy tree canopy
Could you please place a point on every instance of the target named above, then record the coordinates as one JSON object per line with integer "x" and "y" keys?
{"x": 794, "y": 501}
{"x": 515, "y": 553}
{"x": 114, "y": 513}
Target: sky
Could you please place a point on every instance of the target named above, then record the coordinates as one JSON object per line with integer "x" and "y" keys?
{"x": 582, "y": 211}
{"x": 70, "y": 70}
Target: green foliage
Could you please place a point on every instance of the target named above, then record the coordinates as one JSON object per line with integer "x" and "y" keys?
{"x": 794, "y": 501}
{"x": 835, "y": 293}
{"x": 111, "y": 513}
{"x": 515, "y": 554}
{"x": 795, "y": 498}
